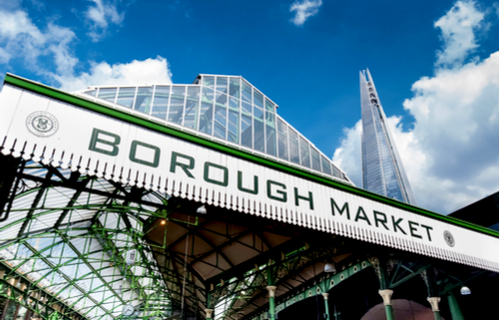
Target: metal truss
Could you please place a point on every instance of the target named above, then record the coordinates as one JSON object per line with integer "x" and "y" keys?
{"x": 77, "y": 246}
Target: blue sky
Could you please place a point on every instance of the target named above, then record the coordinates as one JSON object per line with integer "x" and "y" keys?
{"x": 306, "y": 56}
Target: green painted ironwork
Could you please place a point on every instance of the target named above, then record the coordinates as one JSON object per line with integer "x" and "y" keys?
{"x": 456, "y": 312}
{"x": 326, "y": 283}
{"x": 389, "y": 314}
{"x": 69, "y": 236}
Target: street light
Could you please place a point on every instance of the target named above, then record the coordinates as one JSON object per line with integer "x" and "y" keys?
{"x": 330, "y": 267}
{"x": 465, "y": 291}
{"x": 201, "y": 210}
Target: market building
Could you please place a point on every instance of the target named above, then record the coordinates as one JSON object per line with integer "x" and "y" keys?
{"x": 199, "y": 202}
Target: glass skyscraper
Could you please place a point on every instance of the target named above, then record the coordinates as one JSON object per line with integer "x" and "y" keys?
{"x": 383, "y": 171}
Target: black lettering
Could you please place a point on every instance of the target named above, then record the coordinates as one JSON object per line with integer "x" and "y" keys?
{"x": 133, "y": 152}
{"x": 428, "y": 231}
{"x": 185, "y": 167}
{"x": 282, "y": 193}
{"x": 206, "y": 177}
{"x": 411, "y": 224}
{"x": 363, "y": 216}
{"x": 297, "y": 198}
{"x": 97, "y": 138}
{"x": 396, "y": 226}
{"x": 341, "y": 211}
{"x": 383, "y": 222}
{"x": 255, "y": 184}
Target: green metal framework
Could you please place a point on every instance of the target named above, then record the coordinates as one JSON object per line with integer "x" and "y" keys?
{"x": 84, "y": 247}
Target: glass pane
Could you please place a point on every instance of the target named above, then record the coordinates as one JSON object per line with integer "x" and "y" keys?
{"x": 315, "y": 159}
{"x": 232, "y": 126}
{"x": 192, "y": 103}
{"x": 282, "y": 140}
{"x": 208, "y": 81}
{"x": 126, "y": 97}
{"x": 270, "y": 140}
{"x": 21, "y": 312}
{"x": 271, "y": 119}
{"x": 160, "y": 103}
{"x": 220, "y": 122}
{"x": 221, "y": 99}
{"x": 234, "y": 103}
{"x": 270, "y": 133}
{"x": 107, "y": 94}
{"x": 208, "y": 94}
{"x": 336, "y": 172}
{"x": 258, "y": 140}
{"x": 258, "y": 113}
{"x": 246, "y": 131}
{"x": 304, "y": 153}
{"x": 91, "y": 93}
{"x": 258, "y": 99}
{"x": 206, "y": 117}
{"x": 143, "y": 99}
{"x": 234, "y": 87}
{"x": 246, "y": 108}
{"x": 206, "y": 112}
{"x": 176, "y": 109}
{"x": 246, "y": 93}
{"x": 222, "y": 84}
{"x": 271, "y": 107}
{"x": 325, "y": 165}
{"x": 293, "y": 140}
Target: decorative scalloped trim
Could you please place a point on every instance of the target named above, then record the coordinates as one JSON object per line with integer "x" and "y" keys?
{"x": 191, "y": 191}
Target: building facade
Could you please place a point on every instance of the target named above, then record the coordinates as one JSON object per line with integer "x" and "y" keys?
{"x": 190, "y": 202}
{"x": 383, "y": 171}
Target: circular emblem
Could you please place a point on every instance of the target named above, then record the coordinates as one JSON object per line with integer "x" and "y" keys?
{"x": 42, "y": 124}
{"x": 448, "y": 238}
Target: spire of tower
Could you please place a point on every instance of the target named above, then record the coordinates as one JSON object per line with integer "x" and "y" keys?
{"x": 383, "y": 171}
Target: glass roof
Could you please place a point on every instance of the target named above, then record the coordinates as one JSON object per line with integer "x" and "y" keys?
{"x": 88, "y": 248}
{"x": 68, "y": 244}
{"x": 227, "y": 108}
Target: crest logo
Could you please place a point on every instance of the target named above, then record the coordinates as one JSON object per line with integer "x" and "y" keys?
{"x": 42, "y": 124}
{"x": 448, "y": 238}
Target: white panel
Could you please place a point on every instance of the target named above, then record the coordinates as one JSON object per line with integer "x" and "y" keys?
{"x": 201, "y": 175}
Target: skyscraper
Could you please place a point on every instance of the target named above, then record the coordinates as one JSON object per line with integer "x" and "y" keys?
{"x": 383, "y": 171}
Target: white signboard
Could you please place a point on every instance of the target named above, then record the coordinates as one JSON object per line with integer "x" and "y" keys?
{"x": 42, "y": 129}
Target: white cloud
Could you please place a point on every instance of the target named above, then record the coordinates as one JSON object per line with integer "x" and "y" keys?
{"x": 100, "y": 14}
{"x": 451, "y": 154}
{"x": 304, "y": 9}
{"x": 348, "y": 155}
{"x": 456, "y": 123}
{"x": 20, "y": 38}
{"x": 60, "y": 48}
{"x": 133, "y": 73}
{"x": 457, "y": 28}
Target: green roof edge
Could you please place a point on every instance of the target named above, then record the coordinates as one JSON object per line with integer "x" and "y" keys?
{"x": 117, "y": 114}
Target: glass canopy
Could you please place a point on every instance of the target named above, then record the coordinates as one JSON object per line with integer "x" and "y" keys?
{"x": 227, "y": 108}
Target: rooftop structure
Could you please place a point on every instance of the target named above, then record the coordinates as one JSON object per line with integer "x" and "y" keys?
{"x": 383, "y": 170}
{"x": 227, "y": 108}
